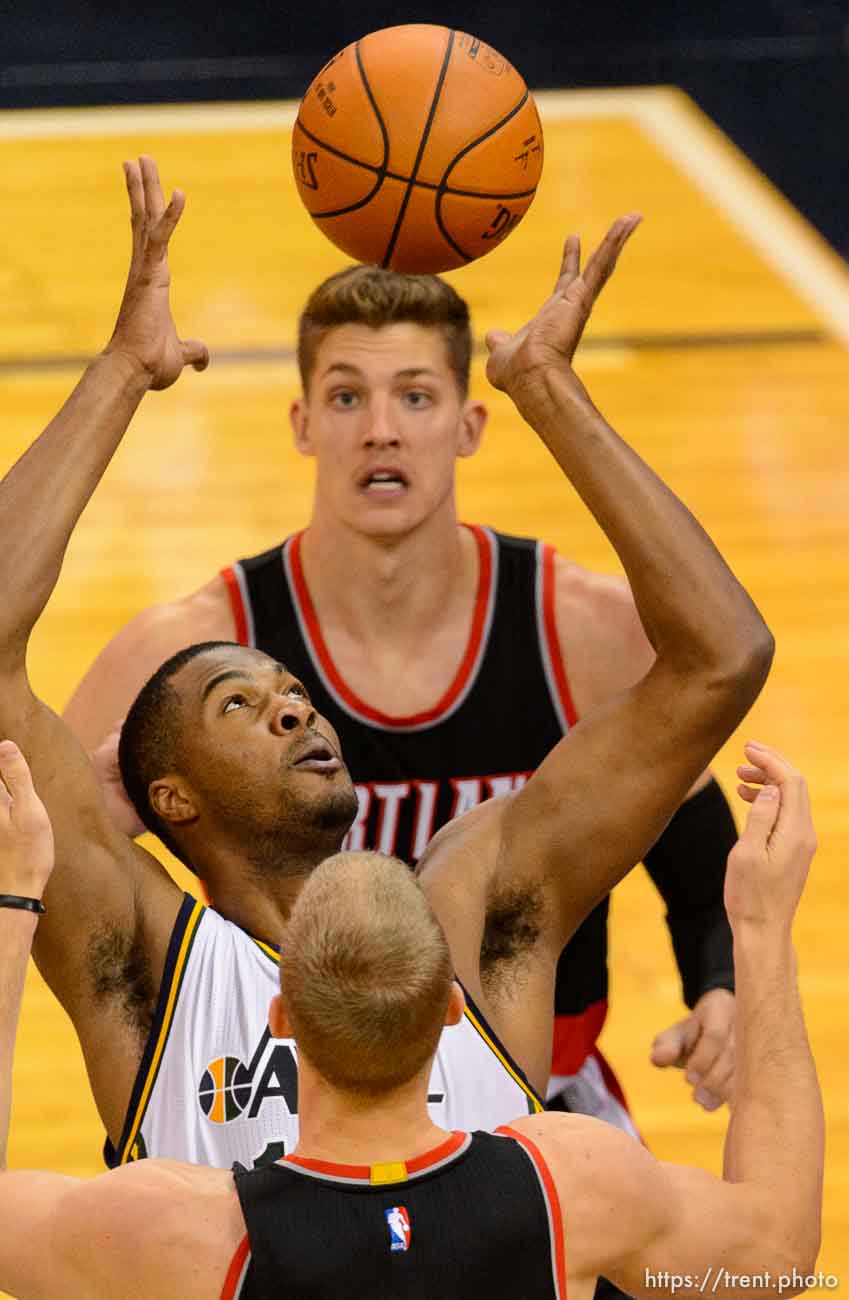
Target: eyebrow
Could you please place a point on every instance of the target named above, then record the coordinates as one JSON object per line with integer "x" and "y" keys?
{"x": 409, "y": 372}
{"x": 232, "y": 674}
{"x": 227, "y": 675}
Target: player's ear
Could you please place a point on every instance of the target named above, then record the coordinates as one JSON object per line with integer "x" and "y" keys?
{"x": 472, "y": 424}
{"x": 171, "y": 801}
{"x": 278, "y": 1018}
{"x": 299, "y": 419}
{"x": 456, "y": 1005}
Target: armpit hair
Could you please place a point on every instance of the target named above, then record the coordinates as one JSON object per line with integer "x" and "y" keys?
{"x": 120, "y": 972}
{"x": 511, "y": 932}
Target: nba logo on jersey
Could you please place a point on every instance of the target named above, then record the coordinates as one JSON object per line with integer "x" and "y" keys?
{"x": 399, "y": 1228}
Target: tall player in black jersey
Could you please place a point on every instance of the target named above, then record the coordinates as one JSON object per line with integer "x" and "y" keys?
{"x": 378, "y": 1201}
{"x": 245, "y": 778}
{"x": 408, "y": 629}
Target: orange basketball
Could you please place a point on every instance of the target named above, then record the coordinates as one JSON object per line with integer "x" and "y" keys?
{"x": 418, "y": 148}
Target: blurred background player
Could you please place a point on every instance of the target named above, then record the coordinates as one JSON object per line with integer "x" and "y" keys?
{"x": 376, "y": 1199}
{"x": 450, "y": 659}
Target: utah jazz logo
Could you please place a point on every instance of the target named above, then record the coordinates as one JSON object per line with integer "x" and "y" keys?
{"x": 225, "y": 1089}
{"x": 228, "y": 1088}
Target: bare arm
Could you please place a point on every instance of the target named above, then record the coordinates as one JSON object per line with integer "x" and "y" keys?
{"x": 630, "y": 1217}
{"x": 605, "y": 650}
{"x": 106, "y": 892}
{"x": 604, "y": 794}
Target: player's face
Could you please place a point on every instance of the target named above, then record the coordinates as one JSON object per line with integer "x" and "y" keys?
{"x": 257, "y": 751}
{"x": 385, "y": 421}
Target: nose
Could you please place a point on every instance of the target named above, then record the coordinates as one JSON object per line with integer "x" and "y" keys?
{"x": 291, "y": 713}
{"x": 379, "y": 430}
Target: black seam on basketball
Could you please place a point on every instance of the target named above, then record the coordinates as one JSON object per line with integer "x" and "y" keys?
{"x": 405, "y": 180}
{"x": 443, "y": 188}
{"x": 380, "y": 176}
{"x": 440, "y": 81}
{"x": 380, "y": 172}
{"x": 380, "y": 122}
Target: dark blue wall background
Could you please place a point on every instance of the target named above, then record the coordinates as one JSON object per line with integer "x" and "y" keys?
{"x": 773, "y": 73}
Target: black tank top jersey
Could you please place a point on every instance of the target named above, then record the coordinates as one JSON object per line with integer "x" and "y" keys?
{"x": 478, "y": 1216}
{"x": 507, "y": 707}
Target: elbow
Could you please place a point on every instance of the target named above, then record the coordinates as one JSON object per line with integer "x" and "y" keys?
{"x": 757, "y": 653}
{"x": 744, "y": 664}
{"x": 791, "y": 1245}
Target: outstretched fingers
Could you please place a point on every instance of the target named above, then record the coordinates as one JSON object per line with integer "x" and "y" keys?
{"x": 570, "y": 264}
{"x": 153, "y": 222}
{"x": 153, "y": 201}
{"x": 602, "y": 264}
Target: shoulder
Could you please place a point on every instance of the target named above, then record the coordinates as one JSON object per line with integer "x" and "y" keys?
{"x": 590, "y": 1162}
{"x": 174, "y": 1228}
{"x": 602, "y": 640}
{"x": 203, "y": 615}
{"x": 600, "y": 603}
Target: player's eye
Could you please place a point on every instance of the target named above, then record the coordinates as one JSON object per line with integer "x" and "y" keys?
{"x": 344, "y": 398}
{"x": 417, "y": 398}
{"x": 297, "y": 689}
{"x": 234, "y": 702}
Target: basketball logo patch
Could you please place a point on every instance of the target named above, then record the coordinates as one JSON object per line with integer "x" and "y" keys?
{"x": 398, "y": 1222}
{"x": 225, "y": 1089}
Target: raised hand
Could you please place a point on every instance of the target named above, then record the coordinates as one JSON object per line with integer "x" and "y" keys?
{"x": 768, "y": 865}
{"x": 550, "y": 339}
{"x": 26, "y": 836}
{"x": 144, "y": 331}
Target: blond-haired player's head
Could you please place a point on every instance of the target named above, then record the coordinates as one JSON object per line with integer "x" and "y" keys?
{"x": 376, "y": 297}
{"x": 366, "y": 974}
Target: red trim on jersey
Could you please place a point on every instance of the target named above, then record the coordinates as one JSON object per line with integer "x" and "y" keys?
{"x": 552, "y": 639}
{"x": 575, "y": 1038}
{"x": 334, "y": 676}
{"x": 234, "y": 591}
{"x": 363, "y": 1172}
{"x": 234, "y": 1272}
{"x": 559, "y": 1242}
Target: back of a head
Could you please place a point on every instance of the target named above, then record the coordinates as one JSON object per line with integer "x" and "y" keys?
{"x": 366, "y": 973}
{"x": 375, "y": 297}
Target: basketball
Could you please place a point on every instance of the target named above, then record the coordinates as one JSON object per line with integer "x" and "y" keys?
{"x": 418, "y": 148}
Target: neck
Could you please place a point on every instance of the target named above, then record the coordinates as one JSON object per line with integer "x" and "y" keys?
{"x": 259, "y": 897}
{"x": 363, "y": 1130}
{"x": 376, "y": 585}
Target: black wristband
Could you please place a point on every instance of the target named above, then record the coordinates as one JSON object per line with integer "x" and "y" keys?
{"x": 23, "y": 904}
{"x": 687, "y": 864}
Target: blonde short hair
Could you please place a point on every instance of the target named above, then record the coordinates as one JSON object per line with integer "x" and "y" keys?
{"x": 365, "y": 973}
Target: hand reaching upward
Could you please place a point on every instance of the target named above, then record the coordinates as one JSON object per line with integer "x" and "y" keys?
{"x": 145, "y": 331}
{"x": 550, "y": 339}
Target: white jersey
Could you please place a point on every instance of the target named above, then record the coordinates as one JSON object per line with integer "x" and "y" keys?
{"x": 214, "y": 1087}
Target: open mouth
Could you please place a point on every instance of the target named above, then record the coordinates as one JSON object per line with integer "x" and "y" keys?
{"x": 317, "y": 756}
{"x": 384, "y": 481}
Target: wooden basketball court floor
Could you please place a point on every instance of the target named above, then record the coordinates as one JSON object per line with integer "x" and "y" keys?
{"x": 719, "y": 349}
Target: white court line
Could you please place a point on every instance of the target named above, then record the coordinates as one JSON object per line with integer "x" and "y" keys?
{"x": 784, "y": 239}
{"x": 786, "y": 242}
{"x": 159, "y": 119}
